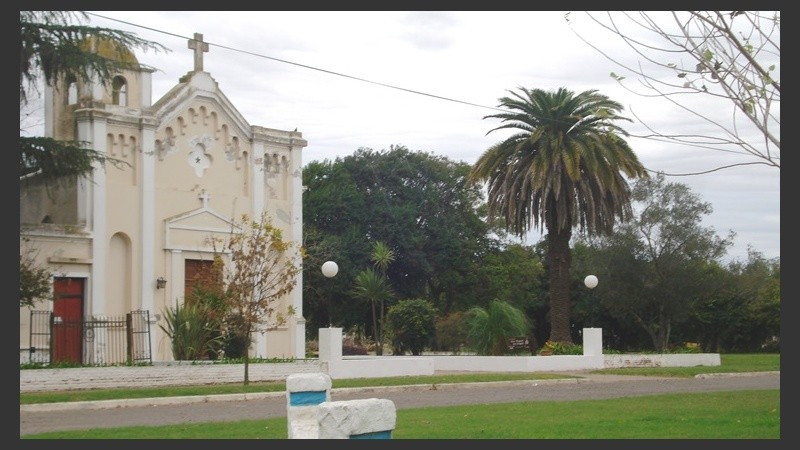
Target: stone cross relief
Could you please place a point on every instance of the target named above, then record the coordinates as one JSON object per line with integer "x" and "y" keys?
{"x": 204, "y": 198}
{"x": 199, "y": 48}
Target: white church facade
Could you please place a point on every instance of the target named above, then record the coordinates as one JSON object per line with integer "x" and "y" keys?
{"x": 131, "y": 236}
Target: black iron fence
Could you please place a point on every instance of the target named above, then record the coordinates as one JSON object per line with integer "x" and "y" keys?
{"x": 95, "y": 340}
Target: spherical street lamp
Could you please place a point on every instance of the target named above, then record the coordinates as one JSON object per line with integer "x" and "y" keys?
{"x": 591, "y": 282}
{"x": 330, "y": 269}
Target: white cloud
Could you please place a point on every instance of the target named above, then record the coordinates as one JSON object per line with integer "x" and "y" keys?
{"x": 469, "y": 56}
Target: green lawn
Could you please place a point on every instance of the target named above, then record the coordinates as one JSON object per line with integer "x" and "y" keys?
{"x": 717, "y": 415}
{"x": 729, "y": 363}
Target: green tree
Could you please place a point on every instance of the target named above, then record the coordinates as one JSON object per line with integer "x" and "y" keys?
{"x": 373, "y": 287}
{"x": 418, "y": 204}
{"x": 54, "y": 45}
{"x": 661, "y": 262}
{"x": 759, "y": 279}
{"x": 489, "y": 329}
{"x": 513, "y": 272}
{"x": 262, "y": 268}
{"x": 413, "y": 325}
{"x": 451, "y": 332}
{"x": 717, "y": 319}
{"x": 34, "y": 281}
{"x": 743, "y": 315}
{"x": 566, "y": 167}
{"x": 382, "y": 256}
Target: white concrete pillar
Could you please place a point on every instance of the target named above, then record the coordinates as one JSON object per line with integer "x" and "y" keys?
{"x": 304, "y": 392}
{"x": 330, "y": 345}
{"x": 592, "y": 341}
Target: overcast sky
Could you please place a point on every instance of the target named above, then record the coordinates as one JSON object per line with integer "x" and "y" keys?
{"x": 301, "y": 70}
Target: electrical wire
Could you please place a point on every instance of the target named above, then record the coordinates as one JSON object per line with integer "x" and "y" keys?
{"x": 390, "y": 86}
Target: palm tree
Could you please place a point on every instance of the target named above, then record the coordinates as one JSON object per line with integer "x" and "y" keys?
{"x": 372, "y": 286}
{"x": 489, "y": 329}
{"x": 563, "y": 168}
{"x": 381, "y": 257}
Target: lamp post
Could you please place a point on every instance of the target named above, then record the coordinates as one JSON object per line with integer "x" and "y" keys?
{"x": 591, "y": 282}
{"x": 330, "y": 269}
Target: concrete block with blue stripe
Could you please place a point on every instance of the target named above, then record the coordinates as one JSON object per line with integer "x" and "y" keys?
{"x": 304, "y": 393}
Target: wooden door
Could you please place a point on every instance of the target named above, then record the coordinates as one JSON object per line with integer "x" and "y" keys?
{"x": 67, "y": 334}
{"x": 195, "y": 269}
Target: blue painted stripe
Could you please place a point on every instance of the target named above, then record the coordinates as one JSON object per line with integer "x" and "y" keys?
{"x": 375, "y": 435}
{"x": 307, "y": 398}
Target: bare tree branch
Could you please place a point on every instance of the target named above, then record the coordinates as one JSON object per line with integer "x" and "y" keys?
{"x": 732, "y": 55}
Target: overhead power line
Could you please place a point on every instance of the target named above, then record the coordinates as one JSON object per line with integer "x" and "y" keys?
{"x": 390, "y": 86}
{"x": 330, "y": 72}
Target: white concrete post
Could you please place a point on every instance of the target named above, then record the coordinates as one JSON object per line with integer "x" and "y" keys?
{"x": 330, "y": 350}
{"x": 592, "y": 341}
{"x": 330, "y": 344}
{"x": 304, "y": 392}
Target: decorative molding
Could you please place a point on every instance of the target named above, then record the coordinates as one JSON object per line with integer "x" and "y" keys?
{"x": 199, "y": 156}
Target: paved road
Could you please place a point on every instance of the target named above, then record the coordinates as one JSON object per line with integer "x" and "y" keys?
{"x": 40, "y": 418}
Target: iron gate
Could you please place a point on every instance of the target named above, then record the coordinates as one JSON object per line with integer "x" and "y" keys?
{"x": 96, "y": 340}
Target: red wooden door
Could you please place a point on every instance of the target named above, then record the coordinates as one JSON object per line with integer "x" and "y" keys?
{"x": 67, "y": 320}
{"x": 195, "y": 270}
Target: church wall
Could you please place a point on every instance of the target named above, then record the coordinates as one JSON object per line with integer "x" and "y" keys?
{"x": 37, "y": 205}
{"x": 203, "y": 166}
{"x": 51, "y": 246}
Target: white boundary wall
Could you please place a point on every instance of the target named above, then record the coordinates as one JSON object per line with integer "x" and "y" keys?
{"x": 339, "y": 367}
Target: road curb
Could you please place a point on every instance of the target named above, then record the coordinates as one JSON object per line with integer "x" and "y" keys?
{"x": 189, "y": 399}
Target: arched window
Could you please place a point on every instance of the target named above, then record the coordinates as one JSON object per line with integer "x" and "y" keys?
{"x": 72, "y": 91}
{"x": 119, "y": 91}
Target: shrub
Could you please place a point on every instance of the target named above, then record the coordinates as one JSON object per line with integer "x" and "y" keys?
{"x": 312, "y": 348}
{"x": 234, "y": 344}
{"x": 351, "y": 345}
{"x": 353, "y": 349}
{"x": 451, "y": 332}
{"x": 413, "y": 325}
{"x": 561, "y": 348}
{"x": 490, "y": 328}
{"x": 191, "y": 336}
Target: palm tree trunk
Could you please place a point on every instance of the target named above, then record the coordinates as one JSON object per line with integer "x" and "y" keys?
{"x": 560, "y": 260}
{"x": 380, "y": 330}
{"x": 375, "y": 331}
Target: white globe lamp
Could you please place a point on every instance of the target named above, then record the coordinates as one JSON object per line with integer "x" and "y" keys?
{"x": 330, "y": 269}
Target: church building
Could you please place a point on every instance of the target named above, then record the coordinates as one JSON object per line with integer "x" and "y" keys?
{"x": 132, "y": 236}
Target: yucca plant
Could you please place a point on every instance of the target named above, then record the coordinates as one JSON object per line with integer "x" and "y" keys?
{"x": 192, "y": 337}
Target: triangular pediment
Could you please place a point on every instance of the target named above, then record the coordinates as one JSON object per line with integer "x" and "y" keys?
{"x": 199, "y": 88}
{"x": 198, "y": 230}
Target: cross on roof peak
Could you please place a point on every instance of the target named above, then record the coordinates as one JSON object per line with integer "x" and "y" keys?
{"x": 199, "y": 48}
